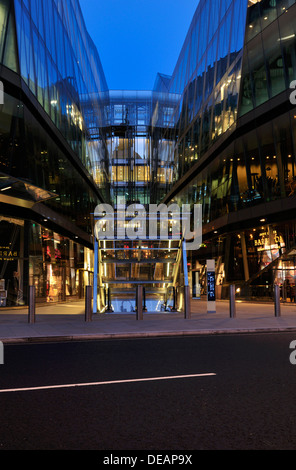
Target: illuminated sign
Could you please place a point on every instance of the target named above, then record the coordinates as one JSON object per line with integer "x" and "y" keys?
{"x": 7, "y": 254}
{"x": 264, "y": 241}
{"x": 211, "y": 287}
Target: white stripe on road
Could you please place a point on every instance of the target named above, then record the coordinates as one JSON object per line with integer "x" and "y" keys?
{"x": 111, "y": 382}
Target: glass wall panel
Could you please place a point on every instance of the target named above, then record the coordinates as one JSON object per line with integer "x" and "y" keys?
{"x": 269, "y": 58}
{"x": 62, "y": 68}
{"x": 287, "y": 35}
{"x": 274, "y": 59}
{"x": 208, "y": 103}
{"x": 28, "y": 153}
{"x": 257, "y": 69}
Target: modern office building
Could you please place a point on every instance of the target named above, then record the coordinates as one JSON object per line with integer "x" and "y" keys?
{"x": 233, "y": 142}
{"x": 134, "y": 123}
{"x": 50, "y": 166}
{"x": 219, "y": 132}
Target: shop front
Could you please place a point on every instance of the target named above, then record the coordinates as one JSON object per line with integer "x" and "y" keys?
{"x": 59, "y": 267}
{"x": 254, "y": 260}
{"x": 33, "y": 255}
{"x": 12, "y": 262}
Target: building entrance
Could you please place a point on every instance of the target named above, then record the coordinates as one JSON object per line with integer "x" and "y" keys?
{"x": 123, "y": 265}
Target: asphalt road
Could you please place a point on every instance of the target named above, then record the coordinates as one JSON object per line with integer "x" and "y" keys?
{"x": 248, "y": 404}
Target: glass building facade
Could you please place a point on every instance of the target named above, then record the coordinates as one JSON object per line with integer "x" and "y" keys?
{"x": 133, "y": 124}
{"x": 128, "y": 140}
{"x": 49, "y": 161}
{"x": 207, "y": 79}
{"x": 233, "y": 142}
{"x": 220, "y": 132}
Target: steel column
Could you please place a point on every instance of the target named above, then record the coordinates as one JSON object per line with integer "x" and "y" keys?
{"x": 277, "y": 304}
{"x": 232, "y": 305}
{"x": 31, "y": 310}
{"x": 139, "y": 302}
{"x": 88, "y": 311}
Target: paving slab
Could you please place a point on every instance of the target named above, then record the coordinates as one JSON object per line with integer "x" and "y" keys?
{"x": 66, "y": 322}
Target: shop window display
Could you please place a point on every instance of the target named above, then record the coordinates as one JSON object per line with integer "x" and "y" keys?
{"x": 56, "y": 264}
{"x": 11, "y": 262}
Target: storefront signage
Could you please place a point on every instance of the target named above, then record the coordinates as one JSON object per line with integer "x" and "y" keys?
{"x": 211, "y": 286}
{"x": 264, "y": 243}
{"x": 6, "y": 254}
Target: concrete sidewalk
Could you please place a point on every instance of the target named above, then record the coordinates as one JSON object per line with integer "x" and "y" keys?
{"x": 66, "y": 322}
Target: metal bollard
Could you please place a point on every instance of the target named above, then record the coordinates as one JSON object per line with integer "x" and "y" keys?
{"x": 232, "y": 305}
{"x": 88, "y": 310}
{"x": 139, "y": 303}
{"x": 187, "y": 304}
{"x": 32, "y": 309}
{"x": 174, "y": 309}
{"x": 277, "y": 304}
{"x": 144, "y": 300}
{"x": 109, "y": 303}
{"x": 1, "y": 353}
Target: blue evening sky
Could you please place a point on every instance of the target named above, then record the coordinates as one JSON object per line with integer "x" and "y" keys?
{"x": 137, "y": 38}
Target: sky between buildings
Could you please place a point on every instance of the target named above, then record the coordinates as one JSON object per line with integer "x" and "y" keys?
{"x": 137, "y": 38}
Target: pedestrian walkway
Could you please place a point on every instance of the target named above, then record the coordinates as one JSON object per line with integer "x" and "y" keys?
{"x": 64, "y": 322}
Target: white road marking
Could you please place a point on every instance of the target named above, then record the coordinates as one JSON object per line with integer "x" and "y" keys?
{"x": 110, "y": 382}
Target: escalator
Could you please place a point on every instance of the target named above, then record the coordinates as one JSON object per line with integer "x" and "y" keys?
{"x": 125, "y": 264}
